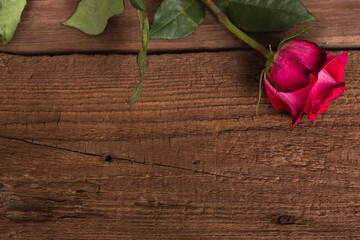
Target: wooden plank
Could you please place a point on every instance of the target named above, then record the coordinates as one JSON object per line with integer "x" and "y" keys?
{"x": 190, "y": 160}
{"x": 41, "y": 31}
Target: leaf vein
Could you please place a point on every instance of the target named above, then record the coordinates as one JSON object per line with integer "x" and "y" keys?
{"x": 273, "y": 9}
{"x": 175, "y": 16}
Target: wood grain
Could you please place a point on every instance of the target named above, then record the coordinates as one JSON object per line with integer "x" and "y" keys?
{"x": 190, "y": 160}
{"x": 41, "y": 31}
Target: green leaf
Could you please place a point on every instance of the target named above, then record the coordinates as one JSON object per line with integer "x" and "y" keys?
{"x": 266, "y": 15}
{"x": 292, "y": 35}
{"x": 138, "y": 4}
{"x": 220, "y": 4}
{"x": 91, "y": 16}
{"x": 141, "y": 59}
{"x": 268, "y": 64}
{"x": 10, "y": 14}
{"x": 144, "y": 29}
{"x": 177, "y": 18}
{"x": 261, "y": 79}
{"x": 136, "y": 94}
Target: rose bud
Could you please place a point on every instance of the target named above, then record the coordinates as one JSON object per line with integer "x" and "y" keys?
{"x": 304, "y": 79}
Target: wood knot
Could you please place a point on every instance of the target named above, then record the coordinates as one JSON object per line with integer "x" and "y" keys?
{"x": 283, "y": 220}
{"x": 108, "y": 158}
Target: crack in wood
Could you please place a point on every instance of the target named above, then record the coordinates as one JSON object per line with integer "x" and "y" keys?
{"x": 115, "y": 158}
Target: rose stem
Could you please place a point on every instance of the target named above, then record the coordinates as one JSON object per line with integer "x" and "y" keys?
{"x": 240, "y": 34}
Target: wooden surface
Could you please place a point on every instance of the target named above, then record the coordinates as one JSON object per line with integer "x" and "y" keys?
{"x": 41, "y": 31}
{"x": 190, "y": 160}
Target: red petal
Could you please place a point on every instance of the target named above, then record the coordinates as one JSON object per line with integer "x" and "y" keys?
{"x": 277, "y": 103}
{"x": 308, "y": 53}
{"x": 329, "y": 57}
{"x": 328, "y": 86}
{"x": 292, "y": 75}
{"x": 290, "y": 101}
{"x": 336, "y": 67}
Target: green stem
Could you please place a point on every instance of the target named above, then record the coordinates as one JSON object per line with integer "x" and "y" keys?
{"x": 240, "y": 34}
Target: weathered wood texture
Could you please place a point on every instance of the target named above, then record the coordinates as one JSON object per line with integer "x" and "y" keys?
{"x": 189, "y": 161}
{"x": 41, "y": 30}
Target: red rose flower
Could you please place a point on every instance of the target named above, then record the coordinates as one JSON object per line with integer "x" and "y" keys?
{"x": 308, "y": 79}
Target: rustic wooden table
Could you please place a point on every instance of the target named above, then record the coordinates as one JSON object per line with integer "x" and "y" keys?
{"x": 190, "y": 160}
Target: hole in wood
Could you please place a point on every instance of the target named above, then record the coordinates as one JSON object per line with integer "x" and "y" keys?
{"x": 108, "y": 158}
{"x": 283, "y": 220}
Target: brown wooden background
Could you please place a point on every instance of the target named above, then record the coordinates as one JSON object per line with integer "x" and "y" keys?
{"x": 190, "y": 160}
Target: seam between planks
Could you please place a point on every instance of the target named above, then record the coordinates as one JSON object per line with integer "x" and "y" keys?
{"x": 156, "y": 52}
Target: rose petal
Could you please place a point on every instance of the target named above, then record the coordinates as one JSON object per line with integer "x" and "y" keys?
{"x": 328, "y": 86}
{"x": 277, "y": 103}
{"x": 329, "y": 57}
{"x": 308, "y": 53}
{"x": 290, "y": 101}
{"x": 336, "y": 67}
{"x": 292, "y": 75}
{"x": 320, "y": 105}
